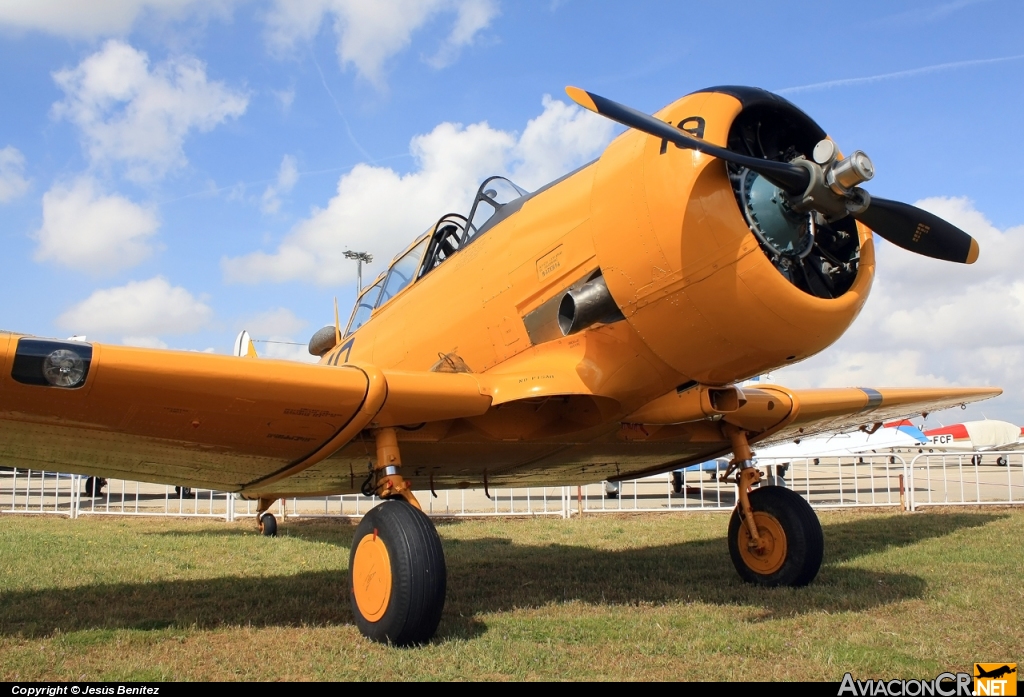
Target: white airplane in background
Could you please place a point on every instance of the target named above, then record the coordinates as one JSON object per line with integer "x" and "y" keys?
{"x": 980, "y": 437}
{"x": 892, "y": 437}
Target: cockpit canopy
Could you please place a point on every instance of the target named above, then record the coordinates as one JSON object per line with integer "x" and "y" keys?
{"x": 496, "y": 199}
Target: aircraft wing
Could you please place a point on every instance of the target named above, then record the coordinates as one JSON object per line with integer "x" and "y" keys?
{"x": 197, "y": 419}
{"x": 834, "y": 410}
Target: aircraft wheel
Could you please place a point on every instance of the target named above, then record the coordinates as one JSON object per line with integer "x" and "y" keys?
{"x": 94, "y": 486}
{"x": 268, "y": 525}
{"x": 183, "y": 492}
{"x": 677, "y": 482}
{"x": 398, "y": 575}
{"x": 976, "y": 459}
{"x": 1001, "y": 461}
{"x": 794, "y": 541}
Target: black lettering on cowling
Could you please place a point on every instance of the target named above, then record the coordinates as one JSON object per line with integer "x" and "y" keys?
{"x": 694, "y": 125}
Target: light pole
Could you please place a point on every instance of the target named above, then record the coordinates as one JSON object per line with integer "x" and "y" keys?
{"x": 359, "y": 257}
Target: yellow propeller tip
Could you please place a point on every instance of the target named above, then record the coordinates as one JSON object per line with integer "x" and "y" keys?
{"x": 581, "y": 97}
{"x": 972, "y": 254}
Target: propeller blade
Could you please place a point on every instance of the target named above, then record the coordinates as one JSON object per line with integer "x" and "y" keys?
{"x": 918, "y": 231}
{"x": 791, "y": 178}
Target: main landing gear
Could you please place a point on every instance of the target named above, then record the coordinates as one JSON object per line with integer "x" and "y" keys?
{"x": 775, "y": 537}
{"x": 398, "y": 575}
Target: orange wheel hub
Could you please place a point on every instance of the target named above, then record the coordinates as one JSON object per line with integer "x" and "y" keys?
{"x": 371, "y": 577}
{"x": 772, "y": 553}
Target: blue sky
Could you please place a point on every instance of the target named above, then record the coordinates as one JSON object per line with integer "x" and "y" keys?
{"x": 172, "y": 171}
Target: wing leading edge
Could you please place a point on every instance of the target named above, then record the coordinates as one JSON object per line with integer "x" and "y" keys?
{"x": 200, "y": 419}
{"x": 833, "y": 410}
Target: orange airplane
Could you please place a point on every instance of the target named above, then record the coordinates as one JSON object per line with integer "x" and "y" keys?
{"x": 592, "y": 330}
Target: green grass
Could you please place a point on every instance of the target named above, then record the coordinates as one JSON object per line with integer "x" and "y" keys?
{"x": 607, "y": 597}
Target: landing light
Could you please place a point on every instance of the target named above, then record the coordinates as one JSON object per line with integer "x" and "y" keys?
{"x": 63, "y": 368}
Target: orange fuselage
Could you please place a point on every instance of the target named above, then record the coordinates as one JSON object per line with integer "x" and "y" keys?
{"x": 701, "y": 301}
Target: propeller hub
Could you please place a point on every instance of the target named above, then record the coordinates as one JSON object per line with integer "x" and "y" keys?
{"x": 856, "y": 169}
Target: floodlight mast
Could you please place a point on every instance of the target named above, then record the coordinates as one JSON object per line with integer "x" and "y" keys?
{"x": 359, "y": 258}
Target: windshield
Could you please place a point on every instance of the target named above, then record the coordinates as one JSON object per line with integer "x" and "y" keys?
{"x": 402, "y": 272}
{"x": 364, "y": 306}
{"x": 494, "y": 195}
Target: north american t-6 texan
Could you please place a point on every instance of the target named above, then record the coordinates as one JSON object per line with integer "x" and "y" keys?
{"x": 595, "y": 329}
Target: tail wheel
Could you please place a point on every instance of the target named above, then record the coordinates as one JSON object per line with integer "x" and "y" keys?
{"x": 398, "y": 575}
{"x": 793, "y": 542}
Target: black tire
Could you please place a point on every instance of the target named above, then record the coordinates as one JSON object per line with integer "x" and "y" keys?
{"x": 268, "y": 525}
{"x": 677, "y": 482}
{"x": 976, "y": 460}
{"x": 413, "y": 607}
{"x": 94, "y": 486}
{"x": 804, "y": 541}
{"x": 1002, "y": 461}
{"x": 183, "y": 492}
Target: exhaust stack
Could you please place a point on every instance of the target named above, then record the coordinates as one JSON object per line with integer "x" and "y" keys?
{"x": 590, "y": 304}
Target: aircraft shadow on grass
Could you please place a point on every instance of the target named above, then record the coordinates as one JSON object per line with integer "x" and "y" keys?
{"x": 494, "y": 575}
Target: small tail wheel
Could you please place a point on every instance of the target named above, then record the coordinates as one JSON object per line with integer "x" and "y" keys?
{"x": 1001, "y": 461}
{"x": 268, "y": 525}
{"x": 792, "y": 537}
{"x": 677, "y": 482}
{"x": 398, "y": 575}
{"x": 94, "y": 486}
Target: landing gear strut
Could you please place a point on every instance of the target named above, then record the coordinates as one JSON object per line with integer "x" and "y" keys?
{"x": 398, "y": 574}
{"x": 775, "y": 538}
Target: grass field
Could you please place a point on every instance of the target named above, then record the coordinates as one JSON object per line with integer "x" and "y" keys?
{"x": 627, "y": 597}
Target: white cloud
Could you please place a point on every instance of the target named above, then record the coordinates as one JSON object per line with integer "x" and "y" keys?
{"x": 380, "y": 211}
{"x": 369, "y": 33}
{"x": 77, "y": 19}
{"x": 285, "y": 98}
{"x": 287, "y": 176}
{"x": 560, "y": 139}
{"x": 279, "y": 334}
{"x": 932, "y": 323}
{"x": 139, "y": 312}
{"x": 139, "y": 117}
{"x": 473, "y": 17}
{"x": 91, "y": 232}
{"x": 12, "y": 180}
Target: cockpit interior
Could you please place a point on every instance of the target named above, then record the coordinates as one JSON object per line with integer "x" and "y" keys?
{"x": 496, "y": 199}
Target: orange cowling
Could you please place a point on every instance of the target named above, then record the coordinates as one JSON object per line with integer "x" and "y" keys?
{"x": 689, "y": 276}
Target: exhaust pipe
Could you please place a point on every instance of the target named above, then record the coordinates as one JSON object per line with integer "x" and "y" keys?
{"x": 590, "y": 304}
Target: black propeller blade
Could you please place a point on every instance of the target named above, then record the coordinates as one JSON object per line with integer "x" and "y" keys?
{"x": 904, "y": 225}
{"x": 918, "y": 231}
{"x": 790, "y": 178}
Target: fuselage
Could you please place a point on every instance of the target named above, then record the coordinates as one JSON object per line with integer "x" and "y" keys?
{"x": 701, "y": 301}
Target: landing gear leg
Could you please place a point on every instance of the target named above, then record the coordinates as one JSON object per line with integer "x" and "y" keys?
{"x": 397, "y": 563}
{"x": 264, "y": 519}
{"x": 775, "y": 538}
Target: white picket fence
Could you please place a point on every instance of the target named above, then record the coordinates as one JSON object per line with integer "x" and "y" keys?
{"x": 908, "y": 481}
